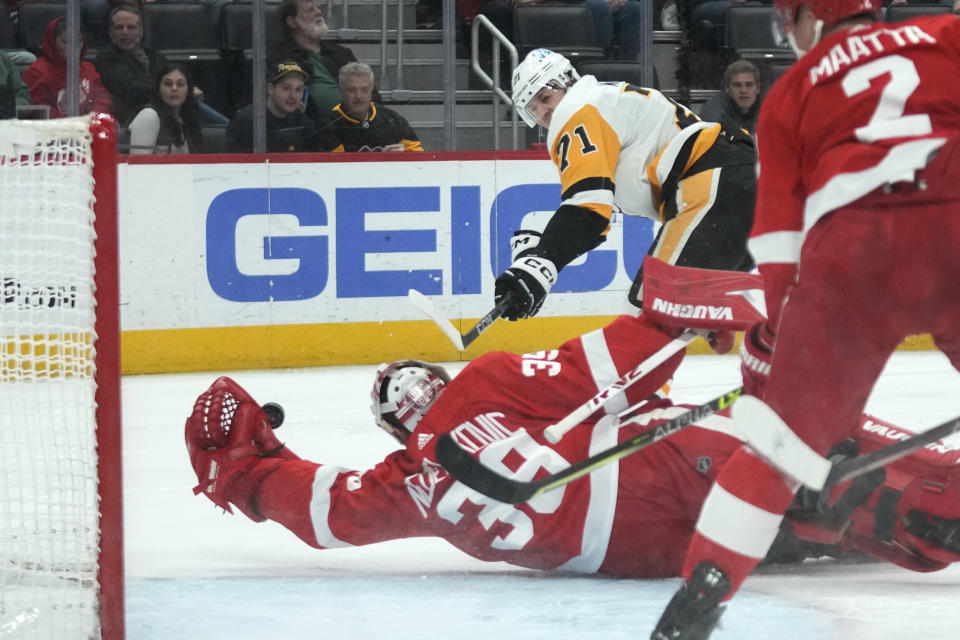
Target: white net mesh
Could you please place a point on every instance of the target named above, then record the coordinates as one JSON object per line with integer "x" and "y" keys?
{"x": 48, "y": 464}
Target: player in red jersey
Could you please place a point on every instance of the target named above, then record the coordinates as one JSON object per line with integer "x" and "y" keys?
{"x": 498, "y": 407}
{"x": 856, "y": 233}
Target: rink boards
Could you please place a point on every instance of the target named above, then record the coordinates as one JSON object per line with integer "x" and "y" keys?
{"x": 235, "y": 262}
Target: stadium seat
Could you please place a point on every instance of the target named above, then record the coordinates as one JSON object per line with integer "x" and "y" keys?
{"x": 750, "y": 35}
{"x": 181, "y": 30}
{"x": 32, "y": 21}
{"x": 898, "y": 12}
{"x": 236, "y": 26}
{"x": 213, "y": 136}
{"x": 617, "y": 71}
{"x": 8, "y": 34}
{"x": 565, "y": 28}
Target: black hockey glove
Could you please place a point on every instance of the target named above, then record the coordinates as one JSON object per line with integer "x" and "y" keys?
{"x": 526, "y": 282}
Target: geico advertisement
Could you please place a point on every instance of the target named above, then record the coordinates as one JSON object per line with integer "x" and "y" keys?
{"x": 300, "y": 243}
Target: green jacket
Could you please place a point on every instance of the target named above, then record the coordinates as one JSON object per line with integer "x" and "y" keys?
{"x": 13, "y": 92}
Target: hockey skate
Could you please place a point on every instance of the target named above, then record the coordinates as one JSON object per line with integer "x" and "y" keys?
{"x": 694, "y": 610}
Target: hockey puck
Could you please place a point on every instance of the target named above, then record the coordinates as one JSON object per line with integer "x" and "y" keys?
{"x": 274, "y": 414}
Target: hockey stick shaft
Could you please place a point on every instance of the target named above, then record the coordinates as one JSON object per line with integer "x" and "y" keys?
{"x": 853, "y": 467}
{"x": 459, "y": 340}
{"x": 555, "y": 432}
{"x": 484, "y": 323}
{"x": 471, "y": 472}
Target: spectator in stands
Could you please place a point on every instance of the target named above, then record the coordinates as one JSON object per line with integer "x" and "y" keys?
{"x": 738, "y": 105}
{"x": 618, "y": 22}
{"x": 128, "y": 69}
{"x": 956, "y": 8}
{"x": 288, "y": 128}
{"x": 47, "y": 77}
{"x": 13, "y": 92}
{"x": 171, "y": 122}
{"x": 305, "y": 29}
{"x": 360, "y": 124}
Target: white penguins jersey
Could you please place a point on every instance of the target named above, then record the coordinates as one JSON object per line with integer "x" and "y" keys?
{"x": 617, "y": 145}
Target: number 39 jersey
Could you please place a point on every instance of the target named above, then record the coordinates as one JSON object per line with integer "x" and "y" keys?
{"x": 866, "y": 107}
{"x": 627, "y": 518}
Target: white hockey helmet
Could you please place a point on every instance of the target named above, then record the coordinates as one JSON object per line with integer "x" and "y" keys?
{"x": 541, "y": 68}
{"x": 402, "y": 394}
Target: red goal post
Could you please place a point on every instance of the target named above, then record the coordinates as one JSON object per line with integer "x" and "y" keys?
{"x": 61, "y": 516}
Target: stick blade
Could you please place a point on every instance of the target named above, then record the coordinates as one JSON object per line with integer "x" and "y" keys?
{"x": 475, "y": 475}
{"x": 423, "y": 303}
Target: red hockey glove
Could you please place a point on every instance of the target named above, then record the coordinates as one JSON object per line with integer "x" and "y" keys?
{"x": 755, "y": 357}
{"x": 232, "y": 446}
{"x": 721, "y": 341}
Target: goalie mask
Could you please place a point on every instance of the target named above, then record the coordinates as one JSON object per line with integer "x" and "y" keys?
{"x": 826, "y": 13}
{"x": 402, "y": 394}
{"x": 541, "y": 69}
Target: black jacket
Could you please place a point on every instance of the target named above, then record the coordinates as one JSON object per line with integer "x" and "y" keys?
{"x": 723, "y": 109}
{"x": 296, "y": 132}
{"x": 383, "y": 127}
{"x": 129, "y": 83}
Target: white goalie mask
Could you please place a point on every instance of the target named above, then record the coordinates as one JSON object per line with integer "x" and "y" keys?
{"x": 402, "y": 394}
{"x": 540, "y": 69}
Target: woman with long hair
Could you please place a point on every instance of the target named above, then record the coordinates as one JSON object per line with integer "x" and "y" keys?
{"x": 171, "y": 122}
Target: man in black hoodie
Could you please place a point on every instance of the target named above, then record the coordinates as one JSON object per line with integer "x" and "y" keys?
{"x": 288, "y": 128}
{"x": 737, "y": 107}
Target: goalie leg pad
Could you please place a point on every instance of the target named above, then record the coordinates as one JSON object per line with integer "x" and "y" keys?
{"x": 772, "y": 439}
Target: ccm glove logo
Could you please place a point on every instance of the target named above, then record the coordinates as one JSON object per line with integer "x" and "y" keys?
{"x": 526, "y": 283}
{"x": 540, "y": 268}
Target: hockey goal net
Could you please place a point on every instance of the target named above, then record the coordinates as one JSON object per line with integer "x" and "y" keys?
{"x": 61, "y": 550}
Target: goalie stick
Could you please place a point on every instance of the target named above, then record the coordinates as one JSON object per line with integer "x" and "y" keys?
{"x": 698, "y": 300}
{"x": 471, "y": 472}
{"x": 555, "y": 432}
{"x": 859, "y": 465}
{"x": 460, "y": 340}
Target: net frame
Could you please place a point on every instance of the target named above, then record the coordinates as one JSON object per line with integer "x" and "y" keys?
{"x": 98, "y": 133}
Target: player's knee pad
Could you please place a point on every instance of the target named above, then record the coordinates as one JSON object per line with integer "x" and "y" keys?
{"x": 768, "y": 435}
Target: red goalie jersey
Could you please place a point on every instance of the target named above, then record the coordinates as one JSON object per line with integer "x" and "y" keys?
{"x": 630, "y": 518}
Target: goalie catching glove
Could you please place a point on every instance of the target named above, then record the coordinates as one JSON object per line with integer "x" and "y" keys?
{"x": 232, "y": 447}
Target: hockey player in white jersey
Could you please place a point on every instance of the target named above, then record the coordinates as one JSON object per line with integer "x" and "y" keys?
{"x": 621, "y": 148}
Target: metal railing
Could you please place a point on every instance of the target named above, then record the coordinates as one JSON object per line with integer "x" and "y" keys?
{"x": 392, "y": 88}
{"x": 499, "y": 95}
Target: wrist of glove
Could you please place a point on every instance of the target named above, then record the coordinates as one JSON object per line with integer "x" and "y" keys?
{"x": 525, "y": 286}
{"x": 523, "y": 242}
{"x": 756, "y": 355}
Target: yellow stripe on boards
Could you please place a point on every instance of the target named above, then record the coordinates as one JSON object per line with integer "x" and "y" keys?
{"x": 279, "y": 346}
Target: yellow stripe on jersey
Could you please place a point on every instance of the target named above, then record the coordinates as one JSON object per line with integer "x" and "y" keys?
{"x": 702, "y": 143}
{"x": 696, "y": 195}
{"x": 586, "y": 152}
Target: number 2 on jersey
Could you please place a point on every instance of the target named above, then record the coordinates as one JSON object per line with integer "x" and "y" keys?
{"x": 888, "y": 120}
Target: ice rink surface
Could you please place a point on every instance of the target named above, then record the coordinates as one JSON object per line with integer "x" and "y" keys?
{"x": 196, "y": 573}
